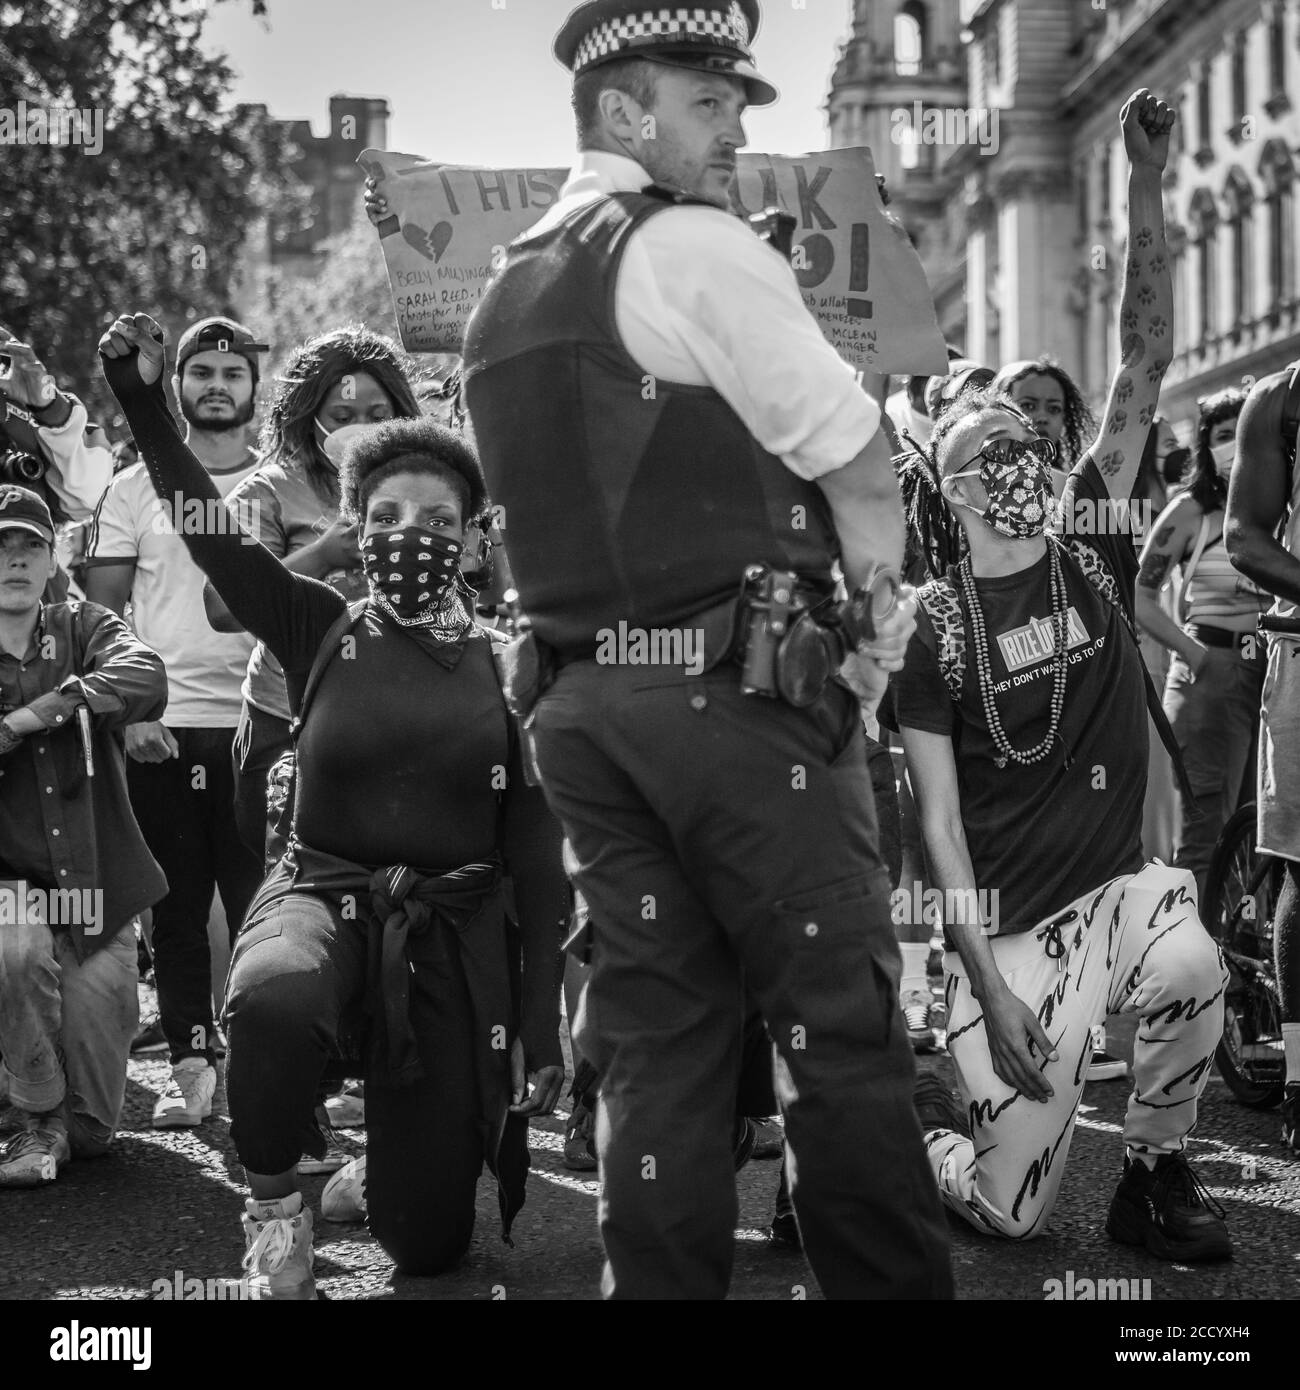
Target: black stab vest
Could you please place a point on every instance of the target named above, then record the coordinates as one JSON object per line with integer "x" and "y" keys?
{"x": 626, "y": 498}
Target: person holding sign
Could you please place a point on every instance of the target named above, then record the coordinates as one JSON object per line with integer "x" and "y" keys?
{"x": 1023, "y": 705}
{"x": 664, "y": 423}
{"x": 410, "y": 810}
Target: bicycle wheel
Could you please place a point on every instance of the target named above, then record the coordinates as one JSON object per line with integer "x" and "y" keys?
{"x": 1240, "y": 894}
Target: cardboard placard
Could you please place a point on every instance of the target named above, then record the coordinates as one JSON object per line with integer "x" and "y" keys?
{"x": 448, "y": 226}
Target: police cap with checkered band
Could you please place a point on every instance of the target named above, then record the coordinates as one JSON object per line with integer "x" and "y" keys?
{"x": 706, "y": 38}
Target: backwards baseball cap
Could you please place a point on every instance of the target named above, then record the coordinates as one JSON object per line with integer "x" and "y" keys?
{"x": 21, "y": 509}
{"x": 706, "y": 38}
{"x": 219, "y": 335}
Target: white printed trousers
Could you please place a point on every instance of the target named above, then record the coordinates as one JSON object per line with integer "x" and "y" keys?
{"x": 1134, "y": 945}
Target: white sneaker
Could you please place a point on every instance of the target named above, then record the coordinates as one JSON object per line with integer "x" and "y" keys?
{"x": 278, "y": 1260}
{"x": 188, "y": 1097}
{"x": 34, "y": 1156}
{"x": 915, "y": 1004}
{"x": 344, "y": 1197}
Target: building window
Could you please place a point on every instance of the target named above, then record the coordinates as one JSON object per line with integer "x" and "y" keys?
{"x": 1277, "y": 49}
{"x": 992, "y": 55}
{"x": 1278, "y": 174}
{"x": 1239, "y": 79}
{"x": 1203, "y": 138}
{"x": 909, "y": 39}
{"x": 1103, "y": 175}
{"x": 909, "y": 147}
{"x": 1178, "y": 275}
{"x": 1240, "y": 199}
{"x": 1205, "y": 218}
{"x": 1277, "y": 103}
{"x": 992, "y": 291}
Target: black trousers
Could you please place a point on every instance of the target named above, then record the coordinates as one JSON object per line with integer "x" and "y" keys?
{"x": 259, "y": 741}
{"x": 722, "y": 834}
{"x": 297, "y": 977}
{"x": 185, "y": 807}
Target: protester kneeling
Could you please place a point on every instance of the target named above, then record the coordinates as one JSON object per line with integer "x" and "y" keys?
{"x": 410, "y": 808}
{"x": 1024, "y": 706}
{"x": 74, "y": 869}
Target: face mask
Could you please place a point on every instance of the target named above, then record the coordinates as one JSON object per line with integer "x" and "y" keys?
{"x": 412, "y": 574}
{"x": 1223, "y": 456}
{"x": 335, "y": 442}
{"x": 1018, "y": 480}
{"x": 1174, "y": 464}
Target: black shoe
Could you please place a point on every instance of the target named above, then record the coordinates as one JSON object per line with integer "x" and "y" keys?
{"x": 1166, "y": 1209}
{"x": 150, "y": 1039}
{"x": 935, "y": 1107}
{"x": 744, "y": 1137}
{"x": 1291, "y": 1116}
{"x": 784, "y": 1231}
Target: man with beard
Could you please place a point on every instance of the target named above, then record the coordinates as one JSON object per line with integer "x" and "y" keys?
{"x": 179, "y": 773}
{"x": 658, "y": 412}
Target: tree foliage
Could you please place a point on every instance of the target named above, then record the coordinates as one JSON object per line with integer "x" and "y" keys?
{"x": 156, "y": 219}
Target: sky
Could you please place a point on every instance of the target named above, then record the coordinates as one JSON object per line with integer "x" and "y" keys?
{"x": 475, "y": 82}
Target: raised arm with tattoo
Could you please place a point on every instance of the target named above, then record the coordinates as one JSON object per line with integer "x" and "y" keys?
{"x": 1170, "y": 544}
{"x": 1147, "y": 306}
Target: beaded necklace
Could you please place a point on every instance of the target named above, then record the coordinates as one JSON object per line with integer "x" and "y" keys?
{"x": 984, "y": 668}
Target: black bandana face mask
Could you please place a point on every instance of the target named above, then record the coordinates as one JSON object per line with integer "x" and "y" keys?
{"x": 412, "y": 575}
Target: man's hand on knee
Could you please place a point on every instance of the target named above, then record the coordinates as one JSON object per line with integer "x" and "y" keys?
{"x": 1015, "y": 1036}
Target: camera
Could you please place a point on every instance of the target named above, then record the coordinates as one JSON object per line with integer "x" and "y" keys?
{"x": 23, "y": 469}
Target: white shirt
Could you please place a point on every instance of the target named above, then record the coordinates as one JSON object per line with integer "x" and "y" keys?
{"x": 701, "y": 301}
{"x": 205, "y": 669}
{"x": 78, "y": 474}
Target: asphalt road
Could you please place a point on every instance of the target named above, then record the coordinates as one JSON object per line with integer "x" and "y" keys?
{"x": 164, "y": 1201}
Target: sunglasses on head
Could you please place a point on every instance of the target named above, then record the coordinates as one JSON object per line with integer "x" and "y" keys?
{"x": 1009, "y": 451}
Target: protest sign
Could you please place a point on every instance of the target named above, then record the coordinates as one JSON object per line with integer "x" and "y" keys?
{"x": 448, "y": 227}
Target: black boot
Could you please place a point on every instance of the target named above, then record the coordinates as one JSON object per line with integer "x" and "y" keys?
{"x": 784, "y": 1230}
{"x": 1166, "y": 1209}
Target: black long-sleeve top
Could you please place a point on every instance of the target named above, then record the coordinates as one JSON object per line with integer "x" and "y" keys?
{"x": 405, "y": 756}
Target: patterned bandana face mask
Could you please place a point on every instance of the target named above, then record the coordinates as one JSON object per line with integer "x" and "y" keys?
{"x": 412, "y": 575}
{"x": 1018, "y": 479}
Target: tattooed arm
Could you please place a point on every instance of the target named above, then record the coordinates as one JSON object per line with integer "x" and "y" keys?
{"x": 1147, "y": 307}
{"x": 1169, "y": 544}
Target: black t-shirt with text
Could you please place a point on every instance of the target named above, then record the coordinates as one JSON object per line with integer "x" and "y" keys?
{"x": 1042, "y": 835}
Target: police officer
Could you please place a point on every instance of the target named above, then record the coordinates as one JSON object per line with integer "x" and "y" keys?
{"x": 657, "y": 411}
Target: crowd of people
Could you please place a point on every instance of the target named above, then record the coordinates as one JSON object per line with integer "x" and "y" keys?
{"x": 300, "y": 679}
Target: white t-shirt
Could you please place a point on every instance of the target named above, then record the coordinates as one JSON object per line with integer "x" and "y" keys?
{"x": 204, "y": 668}
{"x": 702, "y": 301}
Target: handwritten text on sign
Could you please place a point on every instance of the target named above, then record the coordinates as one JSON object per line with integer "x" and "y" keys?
{"x": 449, "y": 225}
